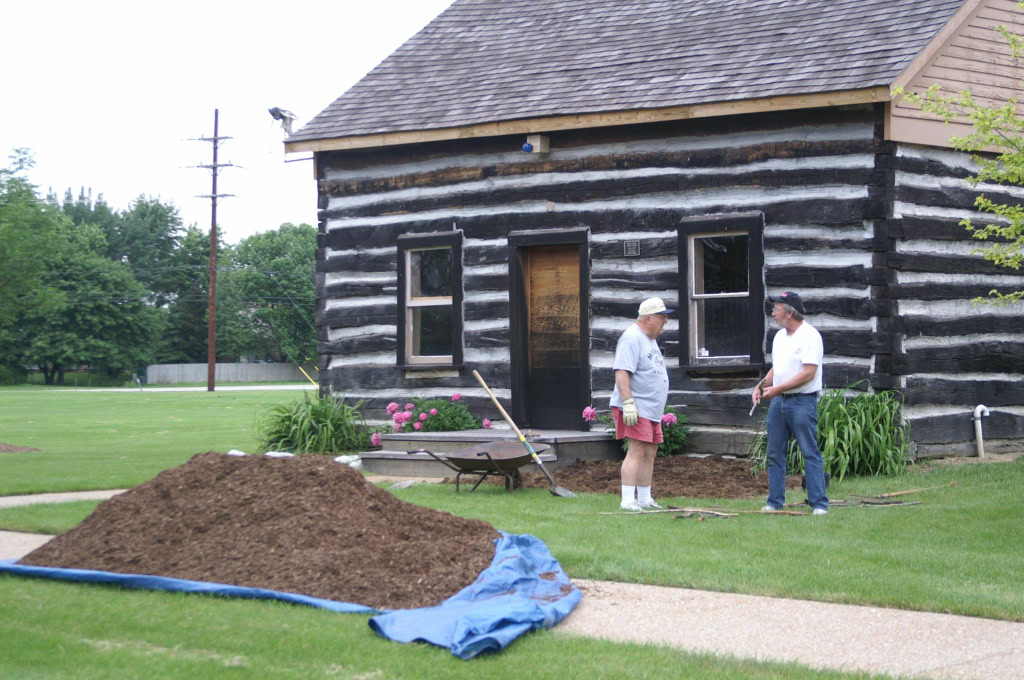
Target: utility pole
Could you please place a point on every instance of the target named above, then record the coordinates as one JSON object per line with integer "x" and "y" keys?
{"x": 211, "y": 352}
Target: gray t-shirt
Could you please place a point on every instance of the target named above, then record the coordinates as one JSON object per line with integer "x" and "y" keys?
{"x": 648, "y": 380}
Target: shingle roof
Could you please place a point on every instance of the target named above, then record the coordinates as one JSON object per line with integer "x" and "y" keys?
{"x": 484, "y": 61}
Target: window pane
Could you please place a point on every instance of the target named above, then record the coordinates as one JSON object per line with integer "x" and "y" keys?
{"x": 723, "y": 327}
{"x": 431, "y": 331}
{"x": 720, "y": 264}
{"x": 430, "y": 272}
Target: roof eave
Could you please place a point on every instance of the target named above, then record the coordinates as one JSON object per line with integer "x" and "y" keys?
{"x": 869, "y": 95}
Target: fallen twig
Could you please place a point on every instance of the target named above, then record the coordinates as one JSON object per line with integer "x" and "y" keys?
{"x": 904, "y": 493}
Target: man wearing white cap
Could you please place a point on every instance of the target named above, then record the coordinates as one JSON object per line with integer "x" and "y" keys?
{"x": 638, "y": 401}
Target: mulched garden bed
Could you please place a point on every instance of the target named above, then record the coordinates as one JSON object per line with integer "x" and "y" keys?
{"x": 304, "y": 525}
{"x": 708, "y": 477}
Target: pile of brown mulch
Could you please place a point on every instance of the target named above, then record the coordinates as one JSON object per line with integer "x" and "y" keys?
{"x": 11, "y": 448}
{"x": 709, "y": 477}
{"x": 303, "y": 525}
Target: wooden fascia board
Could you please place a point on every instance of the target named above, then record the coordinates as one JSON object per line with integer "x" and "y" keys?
{"x": 941, "y": 39}
{"x": 923, "y": 131}
{"x": 869, "y": 95}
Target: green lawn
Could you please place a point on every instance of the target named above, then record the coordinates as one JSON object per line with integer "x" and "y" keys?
{"x": 959, "y": 552}
{"x": 54, "y": 630}
{"x": 108, "y": 440}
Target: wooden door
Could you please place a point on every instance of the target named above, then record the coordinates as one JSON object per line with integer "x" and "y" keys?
{"x": 553, "y": 362}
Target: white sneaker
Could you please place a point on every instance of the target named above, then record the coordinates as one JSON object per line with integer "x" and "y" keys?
{"x": 768, "y": 508}
{"x": 819, "y": 511}
{"x": 631, "y": 506}
{"x": 649, "y": 505}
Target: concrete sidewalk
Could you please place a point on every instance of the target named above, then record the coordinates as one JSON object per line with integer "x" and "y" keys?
{"x": 814, "y": 634}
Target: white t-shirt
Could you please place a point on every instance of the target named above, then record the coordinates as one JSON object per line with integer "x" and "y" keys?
{"x": 791, "y": 351}
{"x": 639, "y": 354}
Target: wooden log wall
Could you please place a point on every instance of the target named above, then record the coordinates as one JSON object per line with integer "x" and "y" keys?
{"x": 824, "y": 180}
{"x": 951, "y": 354}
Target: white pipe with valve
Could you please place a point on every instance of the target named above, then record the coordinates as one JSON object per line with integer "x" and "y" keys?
{"x": 980, "y": 411}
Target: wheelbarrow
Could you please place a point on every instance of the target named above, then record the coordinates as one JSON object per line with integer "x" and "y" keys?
{"x": 497, "y": 458}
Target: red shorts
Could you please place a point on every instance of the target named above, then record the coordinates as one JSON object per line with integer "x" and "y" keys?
{"x": 644, "y": 430}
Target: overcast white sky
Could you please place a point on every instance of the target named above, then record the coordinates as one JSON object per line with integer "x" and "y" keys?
{"x": 108, "y": 94}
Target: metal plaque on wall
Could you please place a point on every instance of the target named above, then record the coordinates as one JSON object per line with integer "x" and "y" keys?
{"x": 631, "y": 248}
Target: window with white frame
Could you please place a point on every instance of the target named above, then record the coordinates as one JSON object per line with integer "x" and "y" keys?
{"x": 721, "y": 282}
{"x": 430, "y": 299}
{"x": 719, "y": 295}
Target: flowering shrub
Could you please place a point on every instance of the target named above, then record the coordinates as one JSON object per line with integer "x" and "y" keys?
{"x": 673, "y": 428}
{"x": 431, "y": 415}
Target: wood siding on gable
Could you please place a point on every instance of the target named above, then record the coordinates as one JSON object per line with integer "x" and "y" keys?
{"x": 975, "y": 57}
{"x": 815, "y": 175}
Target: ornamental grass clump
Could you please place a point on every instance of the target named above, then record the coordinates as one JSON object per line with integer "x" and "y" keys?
{"x": 673, "y": 428}
{"x": 860, "y": 435}
{"x": 437, "y": 414}
{"x": 313, "y": 424}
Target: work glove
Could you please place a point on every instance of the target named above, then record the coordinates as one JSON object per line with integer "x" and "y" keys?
{"x": 629, "y": 413}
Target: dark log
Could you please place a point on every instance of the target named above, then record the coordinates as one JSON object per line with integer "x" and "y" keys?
{"x": 337, "y": 291}
{"x": 981, "y": 357}
{"x": 942, "y": 291}
{"x": 485, "y": 281}
{"x": 943, "y": 264}
{"x": 786, "y": 243}
{"x": 914, "y": 326}
{"x": 857, "y": 276}
{"x": 359, "y": 262}
{"x": 357, "y": 345}
{"x": 968, "y": 393}
{"x": 933, "y": 168}
{"x": 960, "y": 427}
{"x": 350, "y": 317}
{"x": 485, "y": 311}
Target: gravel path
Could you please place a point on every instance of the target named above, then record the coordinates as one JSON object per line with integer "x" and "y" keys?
{"x": 815, "y": 634}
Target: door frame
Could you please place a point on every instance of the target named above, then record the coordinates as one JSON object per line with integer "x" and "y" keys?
{"x": 519, "y": 241}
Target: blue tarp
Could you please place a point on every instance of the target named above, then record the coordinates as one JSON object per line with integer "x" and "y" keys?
{"x": 524, "y": 589}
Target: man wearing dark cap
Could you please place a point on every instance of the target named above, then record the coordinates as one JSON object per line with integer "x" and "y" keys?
{"x": 795, "y": 378}
{"x": 638, "y": 401}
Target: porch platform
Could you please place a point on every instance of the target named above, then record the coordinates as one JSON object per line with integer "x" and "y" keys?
{"x": 567, "y": 446}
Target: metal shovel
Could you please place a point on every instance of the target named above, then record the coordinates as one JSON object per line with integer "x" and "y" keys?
{"x": 555, "y": 489}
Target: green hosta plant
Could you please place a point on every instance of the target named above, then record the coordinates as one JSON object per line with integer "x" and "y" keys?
{"x": 673, "y": 428}
{"x": 313, "y": 424}
{"x": 860, "y": 435}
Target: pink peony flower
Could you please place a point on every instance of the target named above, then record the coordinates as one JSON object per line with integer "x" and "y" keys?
{"x": 423, "y": 416}
{"x": 397, "y": 428}
{"x": 406, "y": 416}
{"x": 392, "y": 407}
{"x": 417, "y": 426}
{"x": 409, "y": 407}
{"x": 456, "y": 396}
{"x": 589, "y": 414}
{"x": 397, "y": 418}
{"x": 433, "y": 411}
{"x": 487, "y": 423}
{"x": 375, "y": 439}
{"x": 669, "y": 419}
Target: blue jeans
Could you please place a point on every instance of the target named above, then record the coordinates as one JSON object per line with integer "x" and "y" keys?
{"x": 795, "y": 416}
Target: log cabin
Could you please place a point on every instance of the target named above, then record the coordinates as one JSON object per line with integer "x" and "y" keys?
{"x": 503, "y": 190}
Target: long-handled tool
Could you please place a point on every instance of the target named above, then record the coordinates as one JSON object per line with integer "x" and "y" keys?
{"x": 555, "y": 489}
